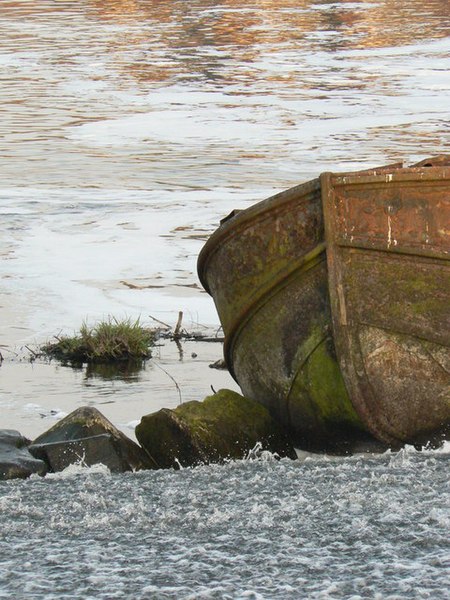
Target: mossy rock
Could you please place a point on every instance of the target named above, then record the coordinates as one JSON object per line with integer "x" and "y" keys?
{"x": 224, "y": 426}
{"x": 104, "y": 440}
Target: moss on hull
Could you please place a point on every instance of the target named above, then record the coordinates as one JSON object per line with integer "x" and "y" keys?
{"x": 224, "y": 426}
{"x": 319, "y": 404}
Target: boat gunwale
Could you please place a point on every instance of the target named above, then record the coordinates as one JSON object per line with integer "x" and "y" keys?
{"x": 233, "y": 226}
{"x": 381, "y": 176}
{"x": 400, "y": 175}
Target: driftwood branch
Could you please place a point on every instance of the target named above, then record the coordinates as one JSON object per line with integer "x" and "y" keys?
{"x": 178, "y": 333}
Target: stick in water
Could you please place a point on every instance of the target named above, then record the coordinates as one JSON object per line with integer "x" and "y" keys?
{"x": 169, "y": 375}
{"x": 176, "y": 333}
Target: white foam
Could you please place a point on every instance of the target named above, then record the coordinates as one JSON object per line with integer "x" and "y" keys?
{"x": 78, "y": 469}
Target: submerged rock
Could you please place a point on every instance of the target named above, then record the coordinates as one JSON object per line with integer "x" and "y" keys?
{"x": 15, "y": 459}
{"x": 85, "y": 436}
{"x": 224, "y": 426}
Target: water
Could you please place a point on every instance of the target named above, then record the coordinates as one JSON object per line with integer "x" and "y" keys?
{"x": 372, "y": 527}
{"x": 35, "y": 395}
{"x": 128, "y": 129}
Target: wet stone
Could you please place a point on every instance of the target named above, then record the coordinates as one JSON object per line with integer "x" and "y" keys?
{"x": 224, "y": 426}
{"x": 219, "y": 364}
{"x": 105, "y": 449}
{"x": 15, "y": 458}
{"x": 86, "y": 437}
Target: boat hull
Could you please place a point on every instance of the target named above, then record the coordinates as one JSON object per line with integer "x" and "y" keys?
{"x": 389, "y": 279}
{"x": 334, "y": 300}
{"x": 266, "y": 269}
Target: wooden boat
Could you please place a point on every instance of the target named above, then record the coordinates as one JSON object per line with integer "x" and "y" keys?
{"x": 334, "y": 300}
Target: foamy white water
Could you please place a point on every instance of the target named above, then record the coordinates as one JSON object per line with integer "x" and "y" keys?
{"x": 372, "y": 527}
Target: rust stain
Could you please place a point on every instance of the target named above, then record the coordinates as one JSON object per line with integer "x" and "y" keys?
{"x": 392, "y": 276}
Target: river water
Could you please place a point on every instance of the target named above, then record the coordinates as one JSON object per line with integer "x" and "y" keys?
{"x": 128, "y": 129}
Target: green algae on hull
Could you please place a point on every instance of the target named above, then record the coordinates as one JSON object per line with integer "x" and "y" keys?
{"x": 319, "y": 401}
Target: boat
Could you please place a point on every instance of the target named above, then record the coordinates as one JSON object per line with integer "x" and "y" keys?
{"x": 334, "y": 301}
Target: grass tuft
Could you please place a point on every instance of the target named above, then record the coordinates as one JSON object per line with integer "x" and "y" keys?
{"x": 106, "y": 342}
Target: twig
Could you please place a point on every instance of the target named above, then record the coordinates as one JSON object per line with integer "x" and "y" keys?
{"x": 158, "y": 321}
{"x": 169, "y": 375}
{"x": 35, "y": 354}
{"x": 176, "y": 331}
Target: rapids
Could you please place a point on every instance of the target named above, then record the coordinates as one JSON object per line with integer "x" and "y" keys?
{"x": 318, "y": 528}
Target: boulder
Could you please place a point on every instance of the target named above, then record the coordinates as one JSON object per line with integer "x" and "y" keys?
{"x": 104, "y": 448}
{"x": 224, "y": 426}
{"x": 15, "y": 459}
{"x": 85, "y": 436}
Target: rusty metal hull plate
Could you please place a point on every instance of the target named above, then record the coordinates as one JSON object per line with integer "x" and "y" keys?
{"x": 266, "y": 270}
{"x": 388, "y": 250}
{"x": 258, "y": 246}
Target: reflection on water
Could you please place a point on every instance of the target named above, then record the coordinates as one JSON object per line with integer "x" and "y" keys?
{"x": 128, "y": 371}
{"x": 237, "y": 24}
{"x": 125, "y": 370}
{"x": 219, "y": 90}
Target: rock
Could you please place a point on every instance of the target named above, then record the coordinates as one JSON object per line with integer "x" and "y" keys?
{"x": 224, "y": 426}
{"x": 15, "y": 459}
{"x": 219, "y": 364}
{"x": 105, "y": 449}
{"x": 85, "y": 436}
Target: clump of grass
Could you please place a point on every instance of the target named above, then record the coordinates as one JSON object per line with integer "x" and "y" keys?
{"x": 108, "y": 341}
